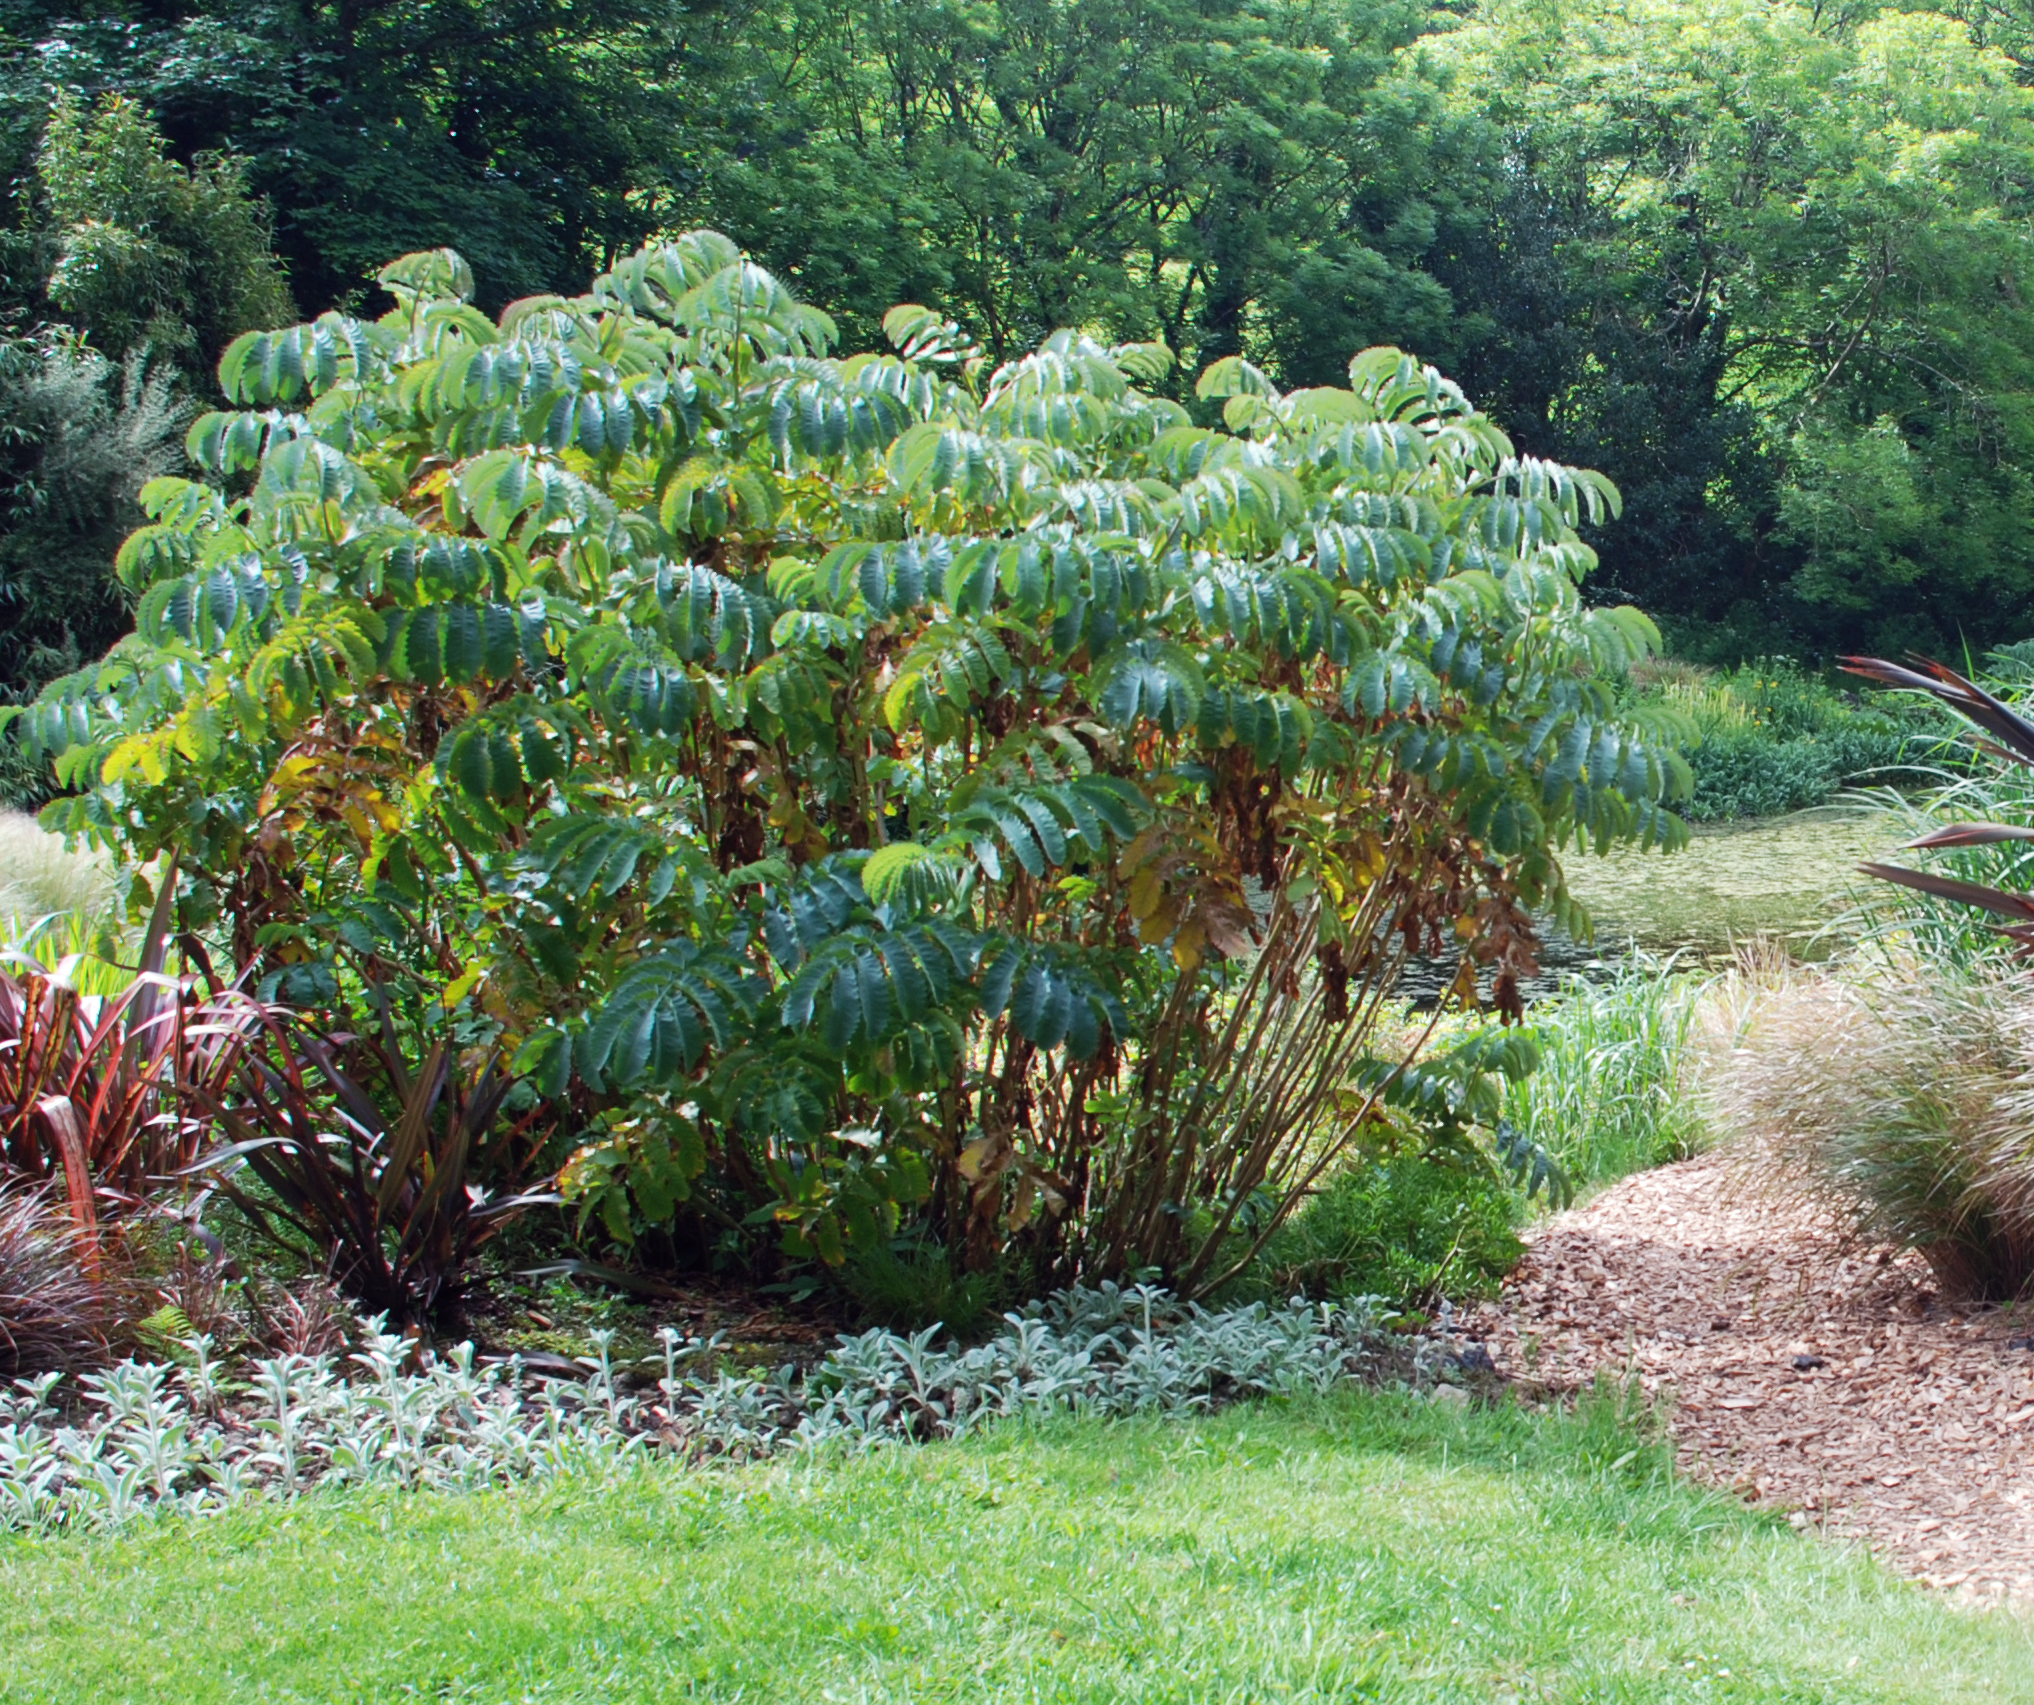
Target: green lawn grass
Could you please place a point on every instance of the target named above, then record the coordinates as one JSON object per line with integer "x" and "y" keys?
{"x": 1374, "y": 1547}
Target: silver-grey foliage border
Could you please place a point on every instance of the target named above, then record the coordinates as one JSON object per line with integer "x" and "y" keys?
{"x": 185, "y": 1436}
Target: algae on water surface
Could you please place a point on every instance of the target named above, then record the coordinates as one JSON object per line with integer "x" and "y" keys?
{"x": 1782, "y": 878}
{"x": 1786, "y": 877}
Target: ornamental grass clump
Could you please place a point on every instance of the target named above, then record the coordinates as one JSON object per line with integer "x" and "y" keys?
{"x": 1901, "y": 1090}
{"x": 41, "y": 877}
{"x": 1900, "y": 1096}
{"x": 53, "y": 1306}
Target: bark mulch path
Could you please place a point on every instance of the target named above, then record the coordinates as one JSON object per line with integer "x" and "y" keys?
{"x": 1806, "y": 1373}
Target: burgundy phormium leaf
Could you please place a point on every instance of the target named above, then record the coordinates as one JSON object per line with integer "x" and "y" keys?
{"x": 2014, "y": 743}
{"x": 2016, "y": 906}
{"x": 1970, "y": 701}
{"x": 370, "y": 1162}
{"x": 1970, "y": 835}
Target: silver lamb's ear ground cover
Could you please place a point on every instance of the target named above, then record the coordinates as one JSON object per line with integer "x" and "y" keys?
{"x": 147, "y": 1436}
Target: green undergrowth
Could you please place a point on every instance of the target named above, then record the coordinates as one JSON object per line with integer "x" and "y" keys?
{"x": 1408, "y": 1229}
{"x": 1769, "y": 737}
{"x": 1372, "y": 1547}
{"x": 1609, "y": 1099}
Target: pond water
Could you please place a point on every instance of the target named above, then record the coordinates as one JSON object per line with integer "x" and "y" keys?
{"x": 1785, "y": 878}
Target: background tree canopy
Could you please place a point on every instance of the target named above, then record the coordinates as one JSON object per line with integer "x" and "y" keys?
{"x": 1765, "y": 264}
{"x": 1772, "y": 271}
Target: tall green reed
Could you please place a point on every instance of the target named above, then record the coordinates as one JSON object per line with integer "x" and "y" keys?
{"x": 94, "y": 954}
{"x": 1609, "y": 1098}
{"x": 1904, "y": 921}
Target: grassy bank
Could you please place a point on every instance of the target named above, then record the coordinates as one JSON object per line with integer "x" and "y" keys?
{"x": 1769, "y": 737}
{"x": 1376, "y": 1547}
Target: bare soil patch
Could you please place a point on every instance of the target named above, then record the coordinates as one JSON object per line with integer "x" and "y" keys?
{"x": 1805, "y": 1373}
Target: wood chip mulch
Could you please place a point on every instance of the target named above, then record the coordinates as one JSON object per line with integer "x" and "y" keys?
{"x": 1805, "y": 1373}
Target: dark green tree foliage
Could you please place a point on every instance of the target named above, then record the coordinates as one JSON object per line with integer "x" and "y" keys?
{"x": 1225, "y": 176}
{"x": 79, "y": 436}
{"x": 128, "y": 247}
{"x": 1762, "y": 262}
{"x": 144, "y": 252}
{"x": 541, "y": 135}
{"x": 2004, "y": 26}
{"x": 126, "y": 277}
{"x": 1786, "y": 291}
{"x": 1577, "y": 367}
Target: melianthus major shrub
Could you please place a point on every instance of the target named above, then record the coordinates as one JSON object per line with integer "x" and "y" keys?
{"x": 856, "y": 784}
